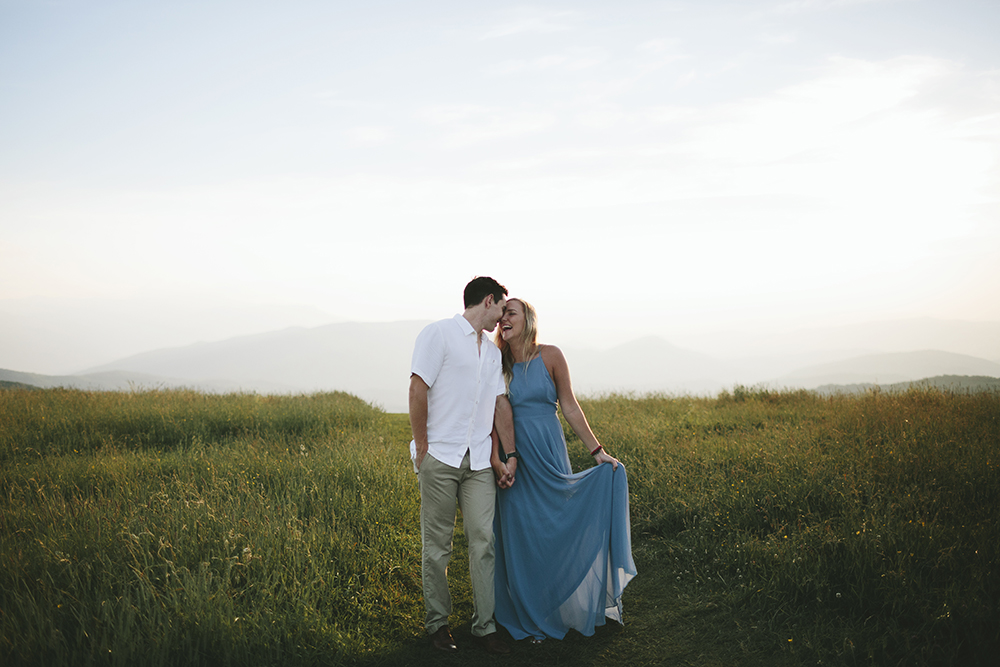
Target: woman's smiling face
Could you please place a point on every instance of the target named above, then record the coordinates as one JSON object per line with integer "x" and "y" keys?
{"x": 512, "y": 322}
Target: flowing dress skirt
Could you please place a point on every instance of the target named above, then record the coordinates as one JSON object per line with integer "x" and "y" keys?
{"x": 563, "y": 543}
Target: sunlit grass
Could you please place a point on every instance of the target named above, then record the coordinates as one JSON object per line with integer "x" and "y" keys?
{"x": 171, "y": 527}
{"x": 174, "y": 527}
{"x": 865, "y": 529}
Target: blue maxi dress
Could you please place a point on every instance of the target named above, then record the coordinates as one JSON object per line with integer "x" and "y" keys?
{"x": 563, "y": 542}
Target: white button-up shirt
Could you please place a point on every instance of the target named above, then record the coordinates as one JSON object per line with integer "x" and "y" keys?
{"x": 463, "y": 382}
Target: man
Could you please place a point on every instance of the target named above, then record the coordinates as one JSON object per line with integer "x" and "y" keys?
{"x": 456, "y": 391}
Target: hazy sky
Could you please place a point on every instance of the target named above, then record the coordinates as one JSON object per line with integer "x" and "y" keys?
{"x": 656, "y": 167}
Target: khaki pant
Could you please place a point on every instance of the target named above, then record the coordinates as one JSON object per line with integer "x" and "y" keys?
{"x": 440, "y": 487}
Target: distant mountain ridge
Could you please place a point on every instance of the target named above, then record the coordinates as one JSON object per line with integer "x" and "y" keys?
{"x": 976, "y": 339}
{"x": 6, "y": 384}
{"x": 955, "y": 383}
{"x": 891, "y": 368}
{"x": 131, "y": 380}
{"x": 59, "y": 336}
{"x": 646, "y": 364}
{"x": 371, "y": 360}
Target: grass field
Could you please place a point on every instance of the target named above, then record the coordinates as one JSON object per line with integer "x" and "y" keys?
{"x": 769, "y": 528}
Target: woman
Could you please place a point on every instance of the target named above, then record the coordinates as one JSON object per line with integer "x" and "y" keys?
{"x": 563, "y": 544}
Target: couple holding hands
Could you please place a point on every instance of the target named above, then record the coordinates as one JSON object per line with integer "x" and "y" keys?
{"x": 549, "y": 550}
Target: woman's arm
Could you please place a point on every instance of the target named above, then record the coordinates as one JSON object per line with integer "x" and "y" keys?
{"x": 500, "y": 472}
{"x": 556, "y": 364}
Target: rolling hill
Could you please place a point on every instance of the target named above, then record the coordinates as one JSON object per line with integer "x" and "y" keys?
{"x": 883, "y": 369}
{"x": 952, "y": 383}
{"x": 371, "y": 360}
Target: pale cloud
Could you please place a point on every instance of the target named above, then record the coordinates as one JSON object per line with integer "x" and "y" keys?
{"x": 602, "y": 117}
{"x": 571, "y": 63}
{"x": 778, "y": 39}
{"x": 660, "y": 50}
{"x": 802, "y": 6}
{"x": 532, "y": 21}
{"x": 659, "y": 47}
{"x": 547, "y": 160}
{"x": 452, "y": 113}
{"x": 894, "y": 179}
{"x": 470, "y": 124}
{"x": 500, "y": 126}
{"x": 779, "y": 164}
{"x": 337, "y": 100}
{"x": 808, "y": 114}
{"x": 657, "y": 53}
{"x": 698, "y": 74}
{"x": 849, "y": 150}
{"x": 667, "y": 114}
{"x": 370, "y": 134}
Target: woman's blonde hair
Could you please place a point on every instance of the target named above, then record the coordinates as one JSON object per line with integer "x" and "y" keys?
{"x": 527, "y": 340}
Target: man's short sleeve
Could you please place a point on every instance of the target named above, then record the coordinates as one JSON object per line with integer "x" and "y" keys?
{"x": 501, "y": 383}
{"x": 428, "y": 354}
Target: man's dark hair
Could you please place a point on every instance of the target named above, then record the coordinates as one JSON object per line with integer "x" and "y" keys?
{"x": 479, "y": 287}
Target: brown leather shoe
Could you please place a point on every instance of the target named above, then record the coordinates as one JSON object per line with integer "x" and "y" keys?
{"x": 442, "y": 640}
{"x": 493, "y": 644}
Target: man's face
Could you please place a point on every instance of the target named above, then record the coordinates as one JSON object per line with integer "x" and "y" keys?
{"x": 494, "y": 313}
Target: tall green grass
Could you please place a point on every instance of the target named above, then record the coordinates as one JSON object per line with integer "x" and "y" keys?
{"x": 172, "y": 527}
{"x": 64, "y": 421}
{"x": 180, "y": 528}
{"x": 863, "y": 530}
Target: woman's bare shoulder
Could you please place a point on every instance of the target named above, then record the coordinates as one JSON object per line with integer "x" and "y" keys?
{"x": 551, "y": 354}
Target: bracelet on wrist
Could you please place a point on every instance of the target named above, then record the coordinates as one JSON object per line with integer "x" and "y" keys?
{"x": 504, "y": 456}
{"x": 599, "y": 448}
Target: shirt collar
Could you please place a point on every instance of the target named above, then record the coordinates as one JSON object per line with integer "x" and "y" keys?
{"x": 464, "y": 325}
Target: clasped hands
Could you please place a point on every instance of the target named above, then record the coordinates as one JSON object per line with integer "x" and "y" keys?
{"x": 504, "y": 472}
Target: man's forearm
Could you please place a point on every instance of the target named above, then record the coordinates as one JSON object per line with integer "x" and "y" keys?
{"x": 418, "y": 415}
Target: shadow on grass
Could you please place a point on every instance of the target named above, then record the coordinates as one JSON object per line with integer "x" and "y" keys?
{"x": 666, "y": 623}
